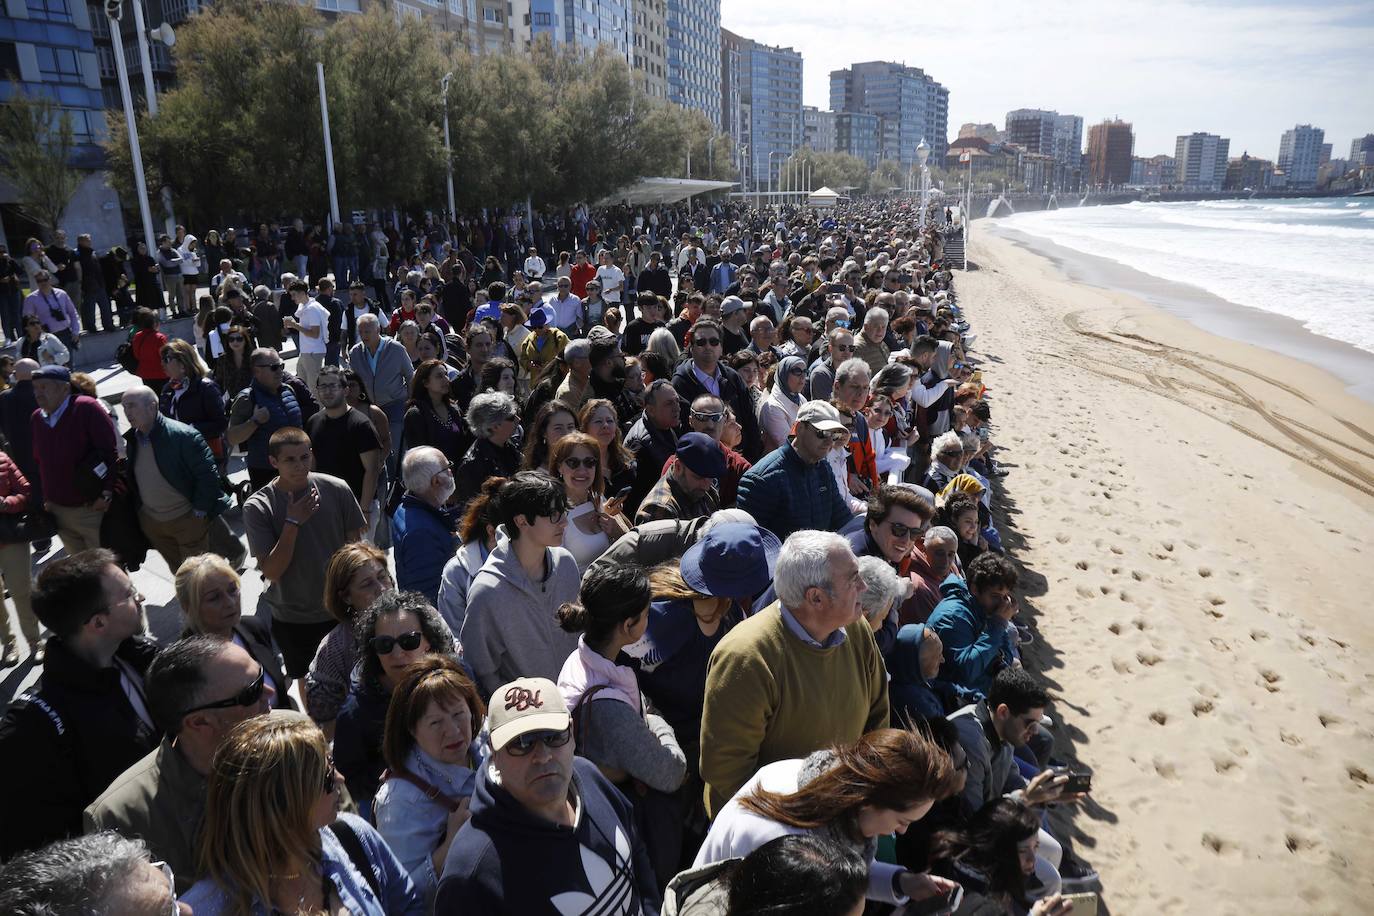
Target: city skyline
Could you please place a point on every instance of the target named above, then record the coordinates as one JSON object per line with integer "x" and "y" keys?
{"x": 1267, "y": 64}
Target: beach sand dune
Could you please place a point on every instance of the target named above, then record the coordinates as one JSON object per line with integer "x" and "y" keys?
{"x": 1194, "y": 519}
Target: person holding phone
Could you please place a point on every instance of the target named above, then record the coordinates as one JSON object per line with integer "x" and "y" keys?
{"x": 594, "y": 522}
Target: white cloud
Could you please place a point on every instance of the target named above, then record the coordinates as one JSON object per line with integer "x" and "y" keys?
{"x": 1247, "y": 70}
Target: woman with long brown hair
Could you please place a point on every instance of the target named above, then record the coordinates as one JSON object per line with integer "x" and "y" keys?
{"x": 851, "y": 794}
{"x": 593, "y": 521}
{"x": 273, "y": 840}
{"x": 599, "y": 419}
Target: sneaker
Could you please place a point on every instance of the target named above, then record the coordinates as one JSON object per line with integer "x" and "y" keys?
{"x": 1076, "y": 874}
{"x": 10, "y": 656}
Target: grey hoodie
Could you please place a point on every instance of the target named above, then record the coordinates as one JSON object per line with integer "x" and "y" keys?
{"x": 510, "y": 630}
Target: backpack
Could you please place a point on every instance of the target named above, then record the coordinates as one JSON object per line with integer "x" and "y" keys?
{"x": 125, "y": 356}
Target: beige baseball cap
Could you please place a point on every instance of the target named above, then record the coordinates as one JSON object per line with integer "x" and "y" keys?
{"x": 529, "y": 704}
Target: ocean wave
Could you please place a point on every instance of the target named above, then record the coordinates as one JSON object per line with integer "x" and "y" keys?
{"x": 1269, "y": 226}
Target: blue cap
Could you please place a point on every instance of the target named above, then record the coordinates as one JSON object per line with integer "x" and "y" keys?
{"x": 52, "y": 373}
{"x": 701, "y": 454}
{"x": 538, "y": 318}
{"x": 732, "y": 560}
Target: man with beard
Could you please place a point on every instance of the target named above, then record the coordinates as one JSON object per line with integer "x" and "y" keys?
{"x": 345, "y": 442}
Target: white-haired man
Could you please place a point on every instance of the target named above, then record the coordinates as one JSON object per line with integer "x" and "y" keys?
{"x": 421, "y": 530}
{"x": 802, "y": 674}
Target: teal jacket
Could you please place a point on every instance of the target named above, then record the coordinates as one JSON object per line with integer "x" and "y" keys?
{"x": 185, "y": 461}
{"x": 976, "y": 647}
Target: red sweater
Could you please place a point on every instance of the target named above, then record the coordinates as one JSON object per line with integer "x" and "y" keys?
{"x": 14, "y": 487}
{"x": 147, "y": 346}
{"x": 581, "y": 274}
{"x": 84, "y": 427}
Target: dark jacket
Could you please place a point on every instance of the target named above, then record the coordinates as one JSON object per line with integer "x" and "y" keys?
{"x": 599, "y": 866}
{"x": 657, "y": 281}
{"x": 257, "y": 636}
{"x": 652, "y": 447}
{"x": 358, "y": 739}
{"x": 350, "y": 323}
{"x": 185, "y": 461}
{"x": 733, "y": 392}
{"x": 17, "y": 405}
{"x": 976, "y": 647}
{"x": 65, "y": 740}
{"x": 423, "y": 427}
{"x": 913, "y": 696}
{"x": 784, "y": 494}
{"x": 202, "y": 406}
{"x": 425, "y": 539}
{"x": 484, "y": 460}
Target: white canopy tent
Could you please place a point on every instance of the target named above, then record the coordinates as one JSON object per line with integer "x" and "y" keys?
{"x": 824, "y": 198}
{"x": 662, "y": 191}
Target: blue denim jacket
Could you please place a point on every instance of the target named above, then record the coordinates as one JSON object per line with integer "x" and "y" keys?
{"x": 399, "y": 895}
{"x": 413, "y": 825}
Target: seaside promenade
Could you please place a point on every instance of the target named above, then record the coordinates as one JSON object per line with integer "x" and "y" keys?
{"x": 1187, "y": 510}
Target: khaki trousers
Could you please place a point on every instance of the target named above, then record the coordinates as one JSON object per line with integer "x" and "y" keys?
{"x": 177, "y": 539}
{"x": 16, "y": 567}
{"x": 77, "y": 526}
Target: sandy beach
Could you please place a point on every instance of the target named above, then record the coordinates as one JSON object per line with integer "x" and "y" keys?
{"x": 1194, "y": 519}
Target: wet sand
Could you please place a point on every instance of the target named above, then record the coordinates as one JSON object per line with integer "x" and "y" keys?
{"x": 1194, "y": 519}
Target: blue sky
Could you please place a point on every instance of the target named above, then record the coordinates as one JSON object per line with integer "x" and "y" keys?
{"x": 1247, "y": 70}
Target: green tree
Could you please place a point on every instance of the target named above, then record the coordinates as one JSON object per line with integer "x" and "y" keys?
{"x": 36, "y": 143}
{"x": 888, "y": 175}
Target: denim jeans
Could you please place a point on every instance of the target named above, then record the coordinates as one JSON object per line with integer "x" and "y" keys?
{"x": 88, "y": 304}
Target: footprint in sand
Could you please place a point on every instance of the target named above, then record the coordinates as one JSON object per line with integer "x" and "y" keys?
{"x": 1290, "y": 739}
{"x": 1140, "y": 623}
{"x": 1302, "y": 844}
{"x": 1259, "y": 635}
{"x": 1358, "y": 775}
{"x": 1204, "y": 572}
{"x": 1202, "y": 707}
{"x": 1225, "y": 764}
{"x": 1220, "y": 845}
{"x": 1114, "y": 629}
{"x": 1166, "y": 769}
{"x": 1330, "y": 720}
{"x": 1121, "y": 666}
{"x": 1148, "y": 659}
{"x": 1270, "y": 680}
{"x": 1081, "y": 564}
{"x": 1139, "y": 576}
{"x": 1159, "y": 718}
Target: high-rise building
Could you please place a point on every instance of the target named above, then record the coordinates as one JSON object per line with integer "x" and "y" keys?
{"x": 1300, "y": 151}
{"x": 650, "y": 59}
{"x": 911, "y": 107}
{"x": 818, "y": 129}
{"x": 1201, "y": 161}
{"x": 1152, "y": 172}
{"x": 1110, "y": 145}
{"x": 1362, "y": 151}
{"x": 582, "y": 24}
{"x": 1049, "y": 133}
{"x": 761, "y": 89}
{"x": 858, "y": 135}
{"x": 48, "y": 48}
{"x": 1248, "y": 174}
{"x": 694, "y": 55}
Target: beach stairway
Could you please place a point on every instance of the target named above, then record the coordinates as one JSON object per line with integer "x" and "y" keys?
{"x": 954, "y": 252}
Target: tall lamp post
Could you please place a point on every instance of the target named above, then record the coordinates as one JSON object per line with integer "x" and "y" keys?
{"x": 771, "y": 154}
{"x": 114, "y": 9}
{"x": 448, "y": 150}
{"x": 922, "y": 154}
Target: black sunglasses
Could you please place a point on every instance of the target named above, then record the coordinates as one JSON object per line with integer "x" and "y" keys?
{"x": 900, "y": 531}
{"x": 330, "y": 785}
{"x": 575, "y": 463}
{"x": 706, "y": 341}
{"x": 521, "y": 745}
{"x": 245, "y": 697}
{"x": 383, "y": 645}
{"x": 236, "y": 338}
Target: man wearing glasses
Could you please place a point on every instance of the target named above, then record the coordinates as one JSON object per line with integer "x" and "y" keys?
{"x": 793, "y": 488}
{"x": 264, "y": 407}
{"x": 198, "y": 689}
{"x": 538, "y": 803}
{"x": 62, "y": 743}
{"x": 54, "y": 308}
{"x": 703, "y": 373}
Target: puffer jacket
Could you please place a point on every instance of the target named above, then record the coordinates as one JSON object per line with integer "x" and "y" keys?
{"x": 976, "y": 647}
{"x": 785, "y": 494}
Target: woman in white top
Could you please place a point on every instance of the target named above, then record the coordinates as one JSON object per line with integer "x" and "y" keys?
{"x": 592, "y": 524}
{"x": 852, "y": 794}
{"x": 35, "y": 259}
{"x": 778, "y": 412}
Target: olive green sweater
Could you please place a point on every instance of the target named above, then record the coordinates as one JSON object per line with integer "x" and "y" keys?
{"x": 770, "y": 696}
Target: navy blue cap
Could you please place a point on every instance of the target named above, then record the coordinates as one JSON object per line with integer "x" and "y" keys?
{"x": 53, "y": 374}
{"x": 732, "y": 560}
{"x": 701, "y": 454}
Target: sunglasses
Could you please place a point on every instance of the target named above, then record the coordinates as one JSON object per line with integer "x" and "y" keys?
{"x": 330, "y": 785}
{"x": 707, "y": 417}
{"x": 844, "y": 348}
{"x": 573, "y": 464}
{"x": 245, "y": 697}
{"x": 902, "y": 531}
{"x": 521, "y": 745}
{"x": 235, "y": 339}
{"x": 835, "y": 436}
{"x": 383, "y": 645}
{"x": 275, "y": 367}
{"x": 707, "y": 342}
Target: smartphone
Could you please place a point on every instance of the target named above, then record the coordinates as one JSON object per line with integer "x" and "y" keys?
{"x": 1078, "y": 782}
{"x": 1084, "y": 904}
{"x": 938, "y": 905}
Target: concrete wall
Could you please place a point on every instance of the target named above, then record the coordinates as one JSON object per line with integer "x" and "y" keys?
{"x": 94, "y": 209}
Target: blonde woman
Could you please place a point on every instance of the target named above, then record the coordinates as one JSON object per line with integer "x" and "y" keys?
{"x": 274, "y": 841}
{"x": 210, "y": 596}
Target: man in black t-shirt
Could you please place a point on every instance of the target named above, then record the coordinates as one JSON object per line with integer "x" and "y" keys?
{"x": 650, "y": 319}
{"x": 344, "y": 442}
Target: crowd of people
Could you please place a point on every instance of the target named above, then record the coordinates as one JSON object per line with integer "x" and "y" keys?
{"x": 661, "y": 576}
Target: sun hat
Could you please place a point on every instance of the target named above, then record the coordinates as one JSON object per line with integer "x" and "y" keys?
{"x": 538, "y": 318}
{"x": 731, "y": 561}
{"x": 527, "y": 704}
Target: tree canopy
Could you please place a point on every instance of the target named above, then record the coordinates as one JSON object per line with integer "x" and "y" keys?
{"x": 240, "y": 134}
{"x": 36, "y": 143}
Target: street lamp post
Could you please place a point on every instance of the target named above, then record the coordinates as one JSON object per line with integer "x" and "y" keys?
{"x": 448, "y": 149}
{"x": 328, "y": 145}
{"x": 771, "y": 154}
{"x": 114, "y": 9}
{"x": 922, "y": 154}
